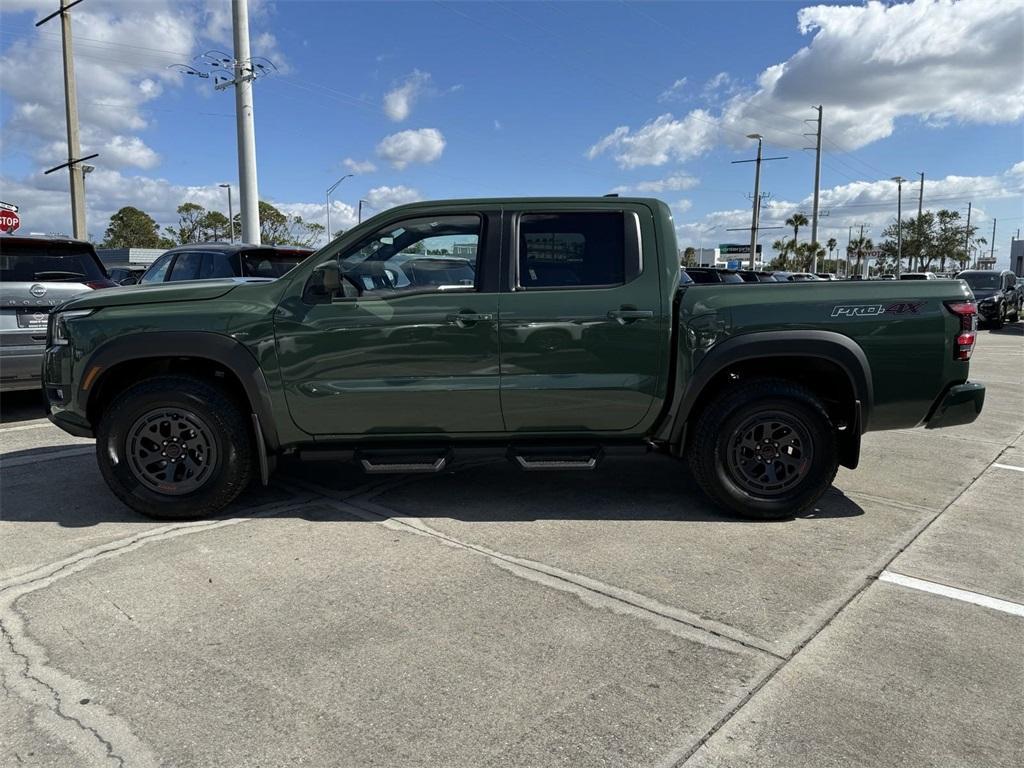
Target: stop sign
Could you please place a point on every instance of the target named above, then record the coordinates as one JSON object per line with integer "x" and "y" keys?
{"x": 9, "y": 221}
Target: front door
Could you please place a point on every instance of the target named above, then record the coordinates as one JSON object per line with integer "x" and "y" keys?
{"x": 583, "y": 328}
{"x": 397, "y": 333}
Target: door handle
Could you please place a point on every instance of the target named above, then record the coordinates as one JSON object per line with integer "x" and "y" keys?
{"x": 624, "y": 316}
{"x": 468, "y": 319}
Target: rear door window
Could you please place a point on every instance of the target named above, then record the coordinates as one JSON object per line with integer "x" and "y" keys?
{"x": 187, "y": 266}
{"x": 216, "y": 265}
{"x": 574, "y": 250}
{"x": 47, "y": 262}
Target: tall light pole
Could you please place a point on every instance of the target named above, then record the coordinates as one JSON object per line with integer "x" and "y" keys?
{"x": 817, "y": 189}
{"x": 359, "y": 219}
{"x": 243, "y": 71}
{"x": 899, "y": 223}
{"x": 330, "y": 189}
{"x": 231, "y": 210}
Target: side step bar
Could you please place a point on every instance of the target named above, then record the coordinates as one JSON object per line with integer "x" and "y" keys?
{"x": 399, "y": 461}
{"x": 546, "y": 459}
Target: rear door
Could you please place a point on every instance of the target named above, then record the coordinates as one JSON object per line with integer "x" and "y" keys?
{"x": 583, "y": 328}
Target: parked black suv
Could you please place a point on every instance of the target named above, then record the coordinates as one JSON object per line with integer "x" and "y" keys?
{"x": 205, "y": 261}
{"x": 996, "y": 293}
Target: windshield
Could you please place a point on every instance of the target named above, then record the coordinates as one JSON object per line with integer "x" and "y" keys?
{"x": 731, "y": 277}
{"x": 270, "y": 263}
{"x": 47, "y": 262}
{"x": 984, "y": 281}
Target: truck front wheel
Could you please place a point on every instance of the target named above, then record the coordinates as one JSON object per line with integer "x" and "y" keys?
{"x": 175, "y": 447}
{"x": 765, "y": 449}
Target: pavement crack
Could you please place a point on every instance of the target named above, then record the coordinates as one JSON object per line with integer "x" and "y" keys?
{"x": 81, "y": 722}
{"x": 57, "y": 705}
{"x": 591, "y": 591}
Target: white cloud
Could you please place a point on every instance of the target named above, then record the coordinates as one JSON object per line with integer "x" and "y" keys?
{"x": 417, "y": 146}
{"x": 497, "y": 125}
{"x": 673, "y": 183}
{"x": 359, "y": 166}
{"x": 128, "y": 150}
{"x": 871, "y": 64}
{"x": 660, "y": 140}
{"x": 682, "y": 206}
{"x": 398, "y": 103}
{"x": 870, "y": 203}
{"x": 382, "y": 198}
{"x": 673, "y": 92}
{"x": 718, "y": 86}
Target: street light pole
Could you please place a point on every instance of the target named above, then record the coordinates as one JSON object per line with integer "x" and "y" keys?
{"x": 899, "y": 223}
{"x": 757, "y": 200}
{"x": 330, "y": 189}
{"x": 231, "y": 211}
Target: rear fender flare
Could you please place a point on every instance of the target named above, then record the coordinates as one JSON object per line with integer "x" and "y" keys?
{"x": 825, "y": 345}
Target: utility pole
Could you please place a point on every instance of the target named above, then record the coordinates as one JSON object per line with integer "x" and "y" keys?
{"x": 899, "y": 223}
{"x": 330, "y": 189}
{"x": 359, "y": 219}
{"x": 231, "y": 211}
{"x": 967, "y": 238}
{"x": 756, "y": 208}
{"x": 817, "y": 187}
{"x": 992, "y": 252}
{"x": 919, "y": 256}
{"x": 849, "y": 239}
{"x": 250, "y": 197}
{"x": 77, "y": 176}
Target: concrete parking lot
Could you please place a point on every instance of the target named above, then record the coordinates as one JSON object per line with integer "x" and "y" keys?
{"x": 488, "y": 617}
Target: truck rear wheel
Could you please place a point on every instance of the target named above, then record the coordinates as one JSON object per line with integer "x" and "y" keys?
{"x": 765, "y": 450}
{"x": 175, "y": 447}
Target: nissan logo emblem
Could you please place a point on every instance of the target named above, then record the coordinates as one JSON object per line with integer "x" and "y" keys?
{"x": 38, "y": 290}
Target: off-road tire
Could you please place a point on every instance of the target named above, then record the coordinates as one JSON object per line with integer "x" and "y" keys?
{"x": 716, "y": 429}
{"x": 225, "y": 427}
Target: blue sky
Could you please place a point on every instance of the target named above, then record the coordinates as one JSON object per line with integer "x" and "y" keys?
{"x": 466, "y": 99}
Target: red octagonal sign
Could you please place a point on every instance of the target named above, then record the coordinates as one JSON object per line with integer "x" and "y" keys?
{"x": 9, "y": 221}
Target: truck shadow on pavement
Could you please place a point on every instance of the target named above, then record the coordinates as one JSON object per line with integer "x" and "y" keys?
{"x": 70, "y": 492}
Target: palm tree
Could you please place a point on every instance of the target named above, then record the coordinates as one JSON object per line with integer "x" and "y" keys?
{"x": 831, "y": 244}
{"x": 782, "y": 248}
{"x": 859, "y": 246}
{"x": 796, "y": 221}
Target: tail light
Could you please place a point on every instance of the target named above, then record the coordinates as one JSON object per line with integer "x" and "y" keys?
{"x": 967, "y": 313}
{"x": 97, "y": 284}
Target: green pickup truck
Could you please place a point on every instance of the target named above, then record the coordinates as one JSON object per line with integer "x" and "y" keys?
{"x": 553, "y": 331}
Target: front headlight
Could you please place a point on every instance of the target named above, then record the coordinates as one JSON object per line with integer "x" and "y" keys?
{"x": 57, "y": 330}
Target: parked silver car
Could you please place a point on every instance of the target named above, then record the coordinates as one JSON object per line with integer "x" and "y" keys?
{"x": 37, "y": 274}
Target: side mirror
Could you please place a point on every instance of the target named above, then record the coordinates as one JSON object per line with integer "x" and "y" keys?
{"x": 328, "y": 282}
{"x": 129, "y": 281}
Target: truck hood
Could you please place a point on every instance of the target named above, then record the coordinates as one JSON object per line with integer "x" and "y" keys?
{"x": 187, "y": 290}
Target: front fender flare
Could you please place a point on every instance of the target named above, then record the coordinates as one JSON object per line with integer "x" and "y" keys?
{"x": 215, "y": 347}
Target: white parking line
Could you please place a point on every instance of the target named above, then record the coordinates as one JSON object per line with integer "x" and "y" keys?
{"x": 957, "y": 594}
{"x": 1008, "y": 466}
{"x": 22, "y": 427}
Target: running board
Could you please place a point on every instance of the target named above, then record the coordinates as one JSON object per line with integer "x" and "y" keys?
{"x": 549, "y": 459}
{"x": 401, "y": 462}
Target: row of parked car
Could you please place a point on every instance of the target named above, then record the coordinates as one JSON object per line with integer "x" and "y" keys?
{"x": 1000, "y": 294}
{"x": 38, "y": 273}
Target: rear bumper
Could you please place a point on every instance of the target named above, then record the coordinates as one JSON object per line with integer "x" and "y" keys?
{"x": 20, "y": 367}
{"x": 961, "y": 404}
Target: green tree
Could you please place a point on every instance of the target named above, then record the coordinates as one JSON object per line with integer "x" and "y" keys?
{"x": 189, "y": 229}
{"x": 214, "y": 225}
{"x": 796, "y": 221}
{"x": 132, "y": 228}
{"x": 782, "y": 248}
{"x": 689, "y": 256}
{"x": 279, "y": 228}
{"x": 859, "y": 247}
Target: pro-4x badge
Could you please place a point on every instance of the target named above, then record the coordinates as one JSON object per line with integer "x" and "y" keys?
{"x": 873, "y": 310}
